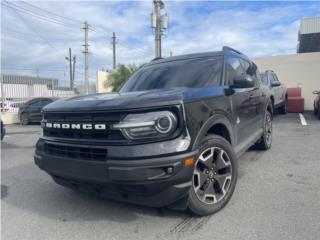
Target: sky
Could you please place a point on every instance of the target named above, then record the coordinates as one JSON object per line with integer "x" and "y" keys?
{"x": 36, "y": 35}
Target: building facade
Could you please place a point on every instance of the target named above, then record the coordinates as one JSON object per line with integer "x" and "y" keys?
{"x": 309, "y": 35}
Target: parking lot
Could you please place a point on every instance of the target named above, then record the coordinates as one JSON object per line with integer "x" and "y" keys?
{"x": 277, "y": 196}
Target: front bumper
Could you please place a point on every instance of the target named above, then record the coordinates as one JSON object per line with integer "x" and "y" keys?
{"x": 151, "y": 181}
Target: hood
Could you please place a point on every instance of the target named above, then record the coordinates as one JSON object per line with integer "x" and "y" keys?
{"x": 131, "y": 100}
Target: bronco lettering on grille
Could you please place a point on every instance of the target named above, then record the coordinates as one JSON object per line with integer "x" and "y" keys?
{"x": 76, "y": 126}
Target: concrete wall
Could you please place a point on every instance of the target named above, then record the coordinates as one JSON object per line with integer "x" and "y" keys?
{"x": 296, "y": 70}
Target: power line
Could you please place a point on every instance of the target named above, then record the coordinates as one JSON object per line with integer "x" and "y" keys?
{"x": 28, "y": 25}
{"x": 37, "y": 15}
{"x": 52, "y": 13}
{"x": 141, "y": 53}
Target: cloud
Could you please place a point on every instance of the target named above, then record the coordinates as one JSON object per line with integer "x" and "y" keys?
{"x": 256, "y": 28}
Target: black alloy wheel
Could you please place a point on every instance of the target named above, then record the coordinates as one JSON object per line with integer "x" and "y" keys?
{"x": 266, "y": 139}
{"x": 24, "y": 119}
{"x": 214, "y": 177}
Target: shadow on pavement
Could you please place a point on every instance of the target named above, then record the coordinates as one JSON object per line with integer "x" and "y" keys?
{"x": 36, "y": 192}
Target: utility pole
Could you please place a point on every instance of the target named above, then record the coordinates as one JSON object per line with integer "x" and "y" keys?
{"x": 86, "y": 57}
{"x": 74, "y": 71}
{"x": 159, "y": 23}
{"x": 71, "y": 61}
{"x": 70, "y": 67}
{"x": 114, "y": 50}
{"x": 171, "y": 54}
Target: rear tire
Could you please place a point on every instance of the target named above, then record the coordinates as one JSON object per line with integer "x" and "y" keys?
{"x": 215, "y": 176}
{"x": 266, "y": 139}
{"x": 24, "y": 119}
{"x": 318, "y": 113}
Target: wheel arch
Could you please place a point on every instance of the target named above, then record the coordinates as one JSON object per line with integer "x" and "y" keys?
{"x": 217, "y": 124}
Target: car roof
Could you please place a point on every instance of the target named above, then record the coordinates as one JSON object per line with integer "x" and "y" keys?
{"x": 225, "y": 50}
{"x": 185, "y": 57}
{"x": 43, "y": 98}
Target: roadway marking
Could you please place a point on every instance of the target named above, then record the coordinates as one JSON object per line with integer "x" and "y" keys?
{"x": 303, "y": 120}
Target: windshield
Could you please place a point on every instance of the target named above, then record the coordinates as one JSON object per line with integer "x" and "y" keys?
{"x": 264, "y": 78}
{"x": 191, "y": 73}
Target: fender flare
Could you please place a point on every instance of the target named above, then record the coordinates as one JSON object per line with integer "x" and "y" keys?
{"x": 213, "y": 120}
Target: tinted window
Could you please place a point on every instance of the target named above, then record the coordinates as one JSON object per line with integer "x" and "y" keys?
{"x": 45, "y": 102}
{"x": 237, "y": 66}
{"x": 264, "y": 78}
{"x": 192, "y": 73}
{"x": 274, "y": 78}
{"x": 35, "y": 103}
{"x": 271, "y": 77}
{"x": 233, "y": 68}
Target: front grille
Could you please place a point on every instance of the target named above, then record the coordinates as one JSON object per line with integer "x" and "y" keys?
{"x": 90, "y": 135}
{"x": 79, "y": 153}
{"x": 107, "y": 118}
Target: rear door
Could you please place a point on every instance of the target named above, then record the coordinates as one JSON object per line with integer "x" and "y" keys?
{"x": 255, "y": 96}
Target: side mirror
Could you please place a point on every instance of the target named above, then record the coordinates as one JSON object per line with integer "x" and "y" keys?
{"x": 316, "y": 92}
{"x": 243, "y": 81}
{"x": 275, "y": 84}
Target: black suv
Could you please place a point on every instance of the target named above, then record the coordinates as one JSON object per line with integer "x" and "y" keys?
{"x": 170, "y": 137}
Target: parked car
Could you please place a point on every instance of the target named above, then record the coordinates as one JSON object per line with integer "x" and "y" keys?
{"x": 170, "y": 137}
{"x": 3, "y": 130}
{"x": 31, "y": 110}
{"x": 316, "y": 104}
{"x": 278, "y": 91}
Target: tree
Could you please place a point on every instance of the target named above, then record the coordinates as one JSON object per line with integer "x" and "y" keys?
{"x": 119, "y": 76}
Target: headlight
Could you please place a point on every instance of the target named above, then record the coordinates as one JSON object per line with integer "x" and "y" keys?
{"x": 147, "y": 125}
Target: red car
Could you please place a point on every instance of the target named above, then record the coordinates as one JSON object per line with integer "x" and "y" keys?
{"x": 316, "y": 105}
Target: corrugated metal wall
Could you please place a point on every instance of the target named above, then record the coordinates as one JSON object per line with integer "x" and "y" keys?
{"x": 310, "y": 25}
{"x": 18, "y": 89}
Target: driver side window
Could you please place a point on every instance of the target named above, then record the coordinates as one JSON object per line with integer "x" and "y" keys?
{"x": 233, "y": 68}
{"x": 236, "y": 66}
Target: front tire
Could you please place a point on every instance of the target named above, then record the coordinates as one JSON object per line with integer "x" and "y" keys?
{"x": 24, "y": 119}
{"x": 266, "y": 139}
{"x": 214, "y": 178}
{"x": 283, "y": 109}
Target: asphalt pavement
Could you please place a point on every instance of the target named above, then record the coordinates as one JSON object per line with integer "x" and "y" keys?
{"x": 277, "y": 196}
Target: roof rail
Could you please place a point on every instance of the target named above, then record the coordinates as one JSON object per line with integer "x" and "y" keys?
{"x": 226, "y": 48}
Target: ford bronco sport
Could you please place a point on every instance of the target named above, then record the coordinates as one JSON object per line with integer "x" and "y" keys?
{"x": 170, "y": 137}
